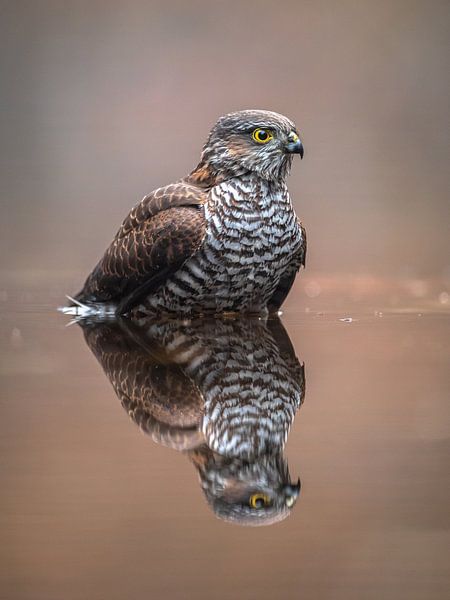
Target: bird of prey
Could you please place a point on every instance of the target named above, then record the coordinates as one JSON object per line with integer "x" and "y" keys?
{"x": 223, "y": 239}
{"x": 223, "y": 391}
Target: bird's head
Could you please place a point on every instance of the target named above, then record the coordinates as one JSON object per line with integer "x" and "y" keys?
{"x": 258, "y": 141}
{"x": 252, "y": 493}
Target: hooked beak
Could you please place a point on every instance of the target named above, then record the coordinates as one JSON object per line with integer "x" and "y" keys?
{"x": 294, "y": 145}
{"x": 291, "y": 492}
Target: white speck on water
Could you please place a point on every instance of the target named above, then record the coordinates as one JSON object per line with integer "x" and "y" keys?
{"x": 346, "y": 320}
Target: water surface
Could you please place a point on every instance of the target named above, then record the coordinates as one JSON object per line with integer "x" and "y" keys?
{"x": 102, "y": 499}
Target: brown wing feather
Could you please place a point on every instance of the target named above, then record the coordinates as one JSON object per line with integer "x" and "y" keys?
{"x": 286, "y": 282}
{"x": 169, "y": 196}
{"x": 154, "y": 240}
{"x": 155, "y": 393}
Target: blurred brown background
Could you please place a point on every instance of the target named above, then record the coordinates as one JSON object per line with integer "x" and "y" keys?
{"x": 103, "y": 101}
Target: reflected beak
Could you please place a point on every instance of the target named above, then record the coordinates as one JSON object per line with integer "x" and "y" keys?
{"x": 292, "y": 491}
{"x": 294, "y": 145}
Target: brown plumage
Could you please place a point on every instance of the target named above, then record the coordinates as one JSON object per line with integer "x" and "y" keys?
{"x": 179, "y": 250}
{"x": 153, "y": 241}
{"x": 224, "y": 391}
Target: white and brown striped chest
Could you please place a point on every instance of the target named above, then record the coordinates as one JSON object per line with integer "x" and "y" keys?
{"x": 251, "y": 235}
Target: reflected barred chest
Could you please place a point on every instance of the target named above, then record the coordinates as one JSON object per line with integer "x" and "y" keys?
{"x": 251, "y": 235}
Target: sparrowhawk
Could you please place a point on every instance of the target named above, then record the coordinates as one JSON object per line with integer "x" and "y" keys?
{"x": 223, "y": 391}
{"x": 223, "y": 239}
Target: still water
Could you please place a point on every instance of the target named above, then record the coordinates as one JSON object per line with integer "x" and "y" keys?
{"x": 301, "y": 458}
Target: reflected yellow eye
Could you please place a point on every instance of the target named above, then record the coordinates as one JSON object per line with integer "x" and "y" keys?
{"x": 262, "y": 136}
{"x": 259, "y": 500}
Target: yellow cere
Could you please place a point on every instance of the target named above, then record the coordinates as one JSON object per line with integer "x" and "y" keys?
{"x": 262, "y": 136}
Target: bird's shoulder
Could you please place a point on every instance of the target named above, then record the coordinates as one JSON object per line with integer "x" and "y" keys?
{"x": 155, "y": 392}
{"x": 174, "y": 195}
{"x": 154, "y": 240}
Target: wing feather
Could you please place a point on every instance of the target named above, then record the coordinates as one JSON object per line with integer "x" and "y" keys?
{"x": 154, "y": 240}
{"x": 155, "y": 392}
{"x": 169, "y": 196}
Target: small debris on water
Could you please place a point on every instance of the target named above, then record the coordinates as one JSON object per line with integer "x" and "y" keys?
{"x": 346, "y": 320}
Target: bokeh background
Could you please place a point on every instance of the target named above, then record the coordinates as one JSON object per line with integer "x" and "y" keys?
{"x": 103, "y": 101}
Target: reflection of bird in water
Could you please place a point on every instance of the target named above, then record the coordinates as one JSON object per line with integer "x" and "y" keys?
{"x": 223, "y": 239}
{"x": 223, "y": 391}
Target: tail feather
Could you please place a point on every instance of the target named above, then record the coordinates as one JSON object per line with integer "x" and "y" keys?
{"x": 83, "y": 310}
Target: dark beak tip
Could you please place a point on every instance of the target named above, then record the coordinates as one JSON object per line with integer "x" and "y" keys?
{"x": 294, "y": 488}
{"x": 296, "y": 148}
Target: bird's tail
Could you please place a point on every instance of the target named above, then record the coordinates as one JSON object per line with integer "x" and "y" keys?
{"x": 83, "y": 310}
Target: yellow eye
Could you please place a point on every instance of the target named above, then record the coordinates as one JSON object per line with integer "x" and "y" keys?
{"x": 262, "y": 136}
{"x": 259, "y": 500}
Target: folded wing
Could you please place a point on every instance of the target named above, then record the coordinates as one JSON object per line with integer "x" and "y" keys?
{"x": 154, "y": 240}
